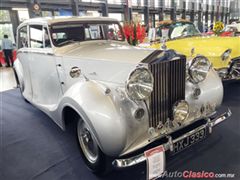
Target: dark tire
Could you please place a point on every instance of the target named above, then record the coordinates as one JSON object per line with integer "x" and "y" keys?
{"x": 94, "y": 158}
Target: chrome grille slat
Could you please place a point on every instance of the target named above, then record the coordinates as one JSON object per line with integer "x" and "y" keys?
{"x": 158, "y": 96}
{"x": 169, "y": 87}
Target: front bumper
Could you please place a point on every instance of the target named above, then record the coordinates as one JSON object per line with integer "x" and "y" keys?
{"x": 127, "y": 162}
{"x": 232, "y": 72}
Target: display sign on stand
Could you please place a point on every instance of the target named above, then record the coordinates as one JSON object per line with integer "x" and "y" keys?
{"x": 155, "y": 162}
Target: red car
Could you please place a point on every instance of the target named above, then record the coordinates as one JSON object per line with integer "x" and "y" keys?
{"x": 225, "y": 33}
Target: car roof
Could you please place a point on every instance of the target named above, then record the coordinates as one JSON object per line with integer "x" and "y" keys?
{"x": 61, "y": 19}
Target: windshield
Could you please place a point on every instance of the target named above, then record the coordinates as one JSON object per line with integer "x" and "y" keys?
{"x": 63, "y": 34}
{"x": 177, "y": 30}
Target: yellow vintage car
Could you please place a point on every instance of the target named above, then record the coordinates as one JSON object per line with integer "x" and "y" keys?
{"x": 184, "y": 37}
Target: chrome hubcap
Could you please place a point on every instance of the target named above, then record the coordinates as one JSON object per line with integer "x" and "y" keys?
{"x": 87, "y": 143}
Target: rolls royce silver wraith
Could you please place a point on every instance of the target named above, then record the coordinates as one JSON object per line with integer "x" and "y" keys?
{"x": 126, "y": 99}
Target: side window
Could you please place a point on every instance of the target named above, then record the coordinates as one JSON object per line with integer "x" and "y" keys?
{"x": 36, "y": 36}
{"x": 23, "y": 38}
{"x": 59, "y": 37}
{"x": 114, "y": 32}
{"x": 93, "y": 32}
{"x": 46, "y": 37}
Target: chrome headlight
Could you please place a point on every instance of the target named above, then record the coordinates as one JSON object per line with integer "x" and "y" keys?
{"x": 199, "y": 69}
{"x": 180, "y": 111}
{"x": 139, "y": 85}
{"x": 226, "y": 54}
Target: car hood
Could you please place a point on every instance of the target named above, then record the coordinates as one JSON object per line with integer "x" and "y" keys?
{"x": 105, "y": 51}
{"x": 208, "y": 46}
{"x": 211, "y": 47}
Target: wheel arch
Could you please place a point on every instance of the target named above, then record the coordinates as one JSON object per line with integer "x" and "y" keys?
{"x": 102, "y": 116}
{"x": 69, "y": 116}
{"x": 18, "y": 72}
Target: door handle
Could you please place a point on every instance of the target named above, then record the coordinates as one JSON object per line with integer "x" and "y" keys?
{"x": 75, "y": 72}
{"x": 22, "y": 51}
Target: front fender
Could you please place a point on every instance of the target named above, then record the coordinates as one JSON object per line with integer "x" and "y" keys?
{"x": 211, "y": 92}
{"x": 100, "y": 112}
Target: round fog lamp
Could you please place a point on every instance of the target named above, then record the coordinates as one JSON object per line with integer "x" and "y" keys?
{"x": 180, "y": 111}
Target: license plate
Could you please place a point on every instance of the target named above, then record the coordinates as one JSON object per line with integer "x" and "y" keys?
{"x": 188, "y": 141}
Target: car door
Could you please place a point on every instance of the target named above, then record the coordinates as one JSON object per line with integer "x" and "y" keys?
{"x": 46, "y": 86}
{"x": 24, "y": 58}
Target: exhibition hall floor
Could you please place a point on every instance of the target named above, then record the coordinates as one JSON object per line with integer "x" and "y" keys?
{"x": 33, "y": 147}
{"x": 7, "y": 79}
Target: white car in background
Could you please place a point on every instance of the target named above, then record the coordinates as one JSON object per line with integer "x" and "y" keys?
{"x": 125, "y": 99}
{"x": 234, "y": 28}
{"x": 234, "y": 25}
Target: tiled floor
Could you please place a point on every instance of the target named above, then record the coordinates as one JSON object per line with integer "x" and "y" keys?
{"x": 7, "y": 79}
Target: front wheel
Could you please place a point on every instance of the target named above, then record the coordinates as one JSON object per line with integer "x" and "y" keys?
{"x": 91, "y": 153}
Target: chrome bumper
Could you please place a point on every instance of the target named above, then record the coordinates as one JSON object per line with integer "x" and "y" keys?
{"x": 123, "y": 163}
{"x": 232, "y": 72}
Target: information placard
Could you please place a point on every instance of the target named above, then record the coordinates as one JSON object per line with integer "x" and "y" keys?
{"x": 155, "y": 162}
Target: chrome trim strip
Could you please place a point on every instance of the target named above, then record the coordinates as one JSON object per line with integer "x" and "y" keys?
{"x": 123, "y": 163}
{"x": 35, "y": 52}
{"x": 22, "y": 51}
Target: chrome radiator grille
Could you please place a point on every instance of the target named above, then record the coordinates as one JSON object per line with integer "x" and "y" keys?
{"x": 169, "y": 87}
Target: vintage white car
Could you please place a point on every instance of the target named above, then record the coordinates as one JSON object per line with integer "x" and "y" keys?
{"x": 126, "y": 99}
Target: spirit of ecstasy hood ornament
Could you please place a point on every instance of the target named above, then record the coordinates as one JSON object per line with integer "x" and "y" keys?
{"x": 164, "y": 46}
